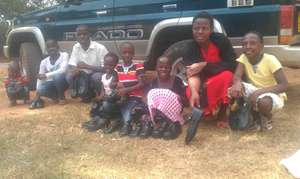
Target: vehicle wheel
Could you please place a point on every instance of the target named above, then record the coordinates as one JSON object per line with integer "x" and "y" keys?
{"x": 175, "y": 53}
{"x": 30, "y": 58}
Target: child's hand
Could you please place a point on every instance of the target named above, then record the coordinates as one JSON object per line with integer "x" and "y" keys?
{"x": 195, "y": 68}
{"x": 82, "y": 65}
{"x": 122, "y": 91}
{"x": 237, "y": 90}
{"x": 42, "y": 76}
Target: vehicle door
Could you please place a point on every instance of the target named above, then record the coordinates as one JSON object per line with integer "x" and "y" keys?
{"x": 94, "y": 13}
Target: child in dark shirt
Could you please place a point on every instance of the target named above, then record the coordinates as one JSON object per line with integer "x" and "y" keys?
{"x": 16, "y": 85}
{"x": 165, "y": 103}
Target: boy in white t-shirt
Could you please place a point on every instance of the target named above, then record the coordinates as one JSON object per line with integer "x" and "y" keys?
{"x": 51, "y": 78}
{"x": 105, "y": 112}
{"x": 85, "y": 65}
{"x": 266, "y": 85}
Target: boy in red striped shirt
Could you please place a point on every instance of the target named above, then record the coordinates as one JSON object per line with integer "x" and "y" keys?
{"x": 130, "y": 85}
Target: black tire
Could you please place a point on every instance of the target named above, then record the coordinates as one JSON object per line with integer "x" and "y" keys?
{"x": 175, "y": 53}
{"x": 30, "y": 59}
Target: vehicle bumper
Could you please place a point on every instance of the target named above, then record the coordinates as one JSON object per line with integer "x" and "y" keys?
{"x": 288, "y": 56}
{"x": 5, "y": 50}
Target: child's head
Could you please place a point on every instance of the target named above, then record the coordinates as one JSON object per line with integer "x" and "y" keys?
{"x": 83, "y": 35}
{"x": 110, "y": 62}
{"x": 127, "y": 52}
{"x": 253, "y": 45}
{"x": 163, "y": 67}
{"x": 13, "y": 69}
{"x": 52, "y": 47}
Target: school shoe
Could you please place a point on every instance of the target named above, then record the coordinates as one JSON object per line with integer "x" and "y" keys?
{"x": 172, "y": 131}
{"x": 136, "y": 131}
{"x": 111, "y": 127}
{"x": 97, "y": 124}
{"x": 146, "y": 130}
{"x": 158, "y": 132}
{"x": 125, "y": 130}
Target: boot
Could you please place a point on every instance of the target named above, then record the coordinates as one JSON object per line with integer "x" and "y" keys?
{"x": 158, "y": 132}
{"x": 146, "y": 130}
{"x": 173, "y": 131}
{"x": 137, "y": 130}
{"x": 125, "y": 130}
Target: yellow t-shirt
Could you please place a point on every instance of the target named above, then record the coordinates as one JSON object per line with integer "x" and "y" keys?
{"x": 261, "y": 75}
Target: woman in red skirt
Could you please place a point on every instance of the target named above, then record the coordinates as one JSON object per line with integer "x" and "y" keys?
{"x": 210, "y": 61}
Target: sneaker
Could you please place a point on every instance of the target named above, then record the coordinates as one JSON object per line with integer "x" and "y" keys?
{"x": 125, "y": 130}
{"x": 266, "y": 123}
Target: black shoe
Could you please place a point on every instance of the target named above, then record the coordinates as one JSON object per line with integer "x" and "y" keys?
{"x": 136, "y": 131}
{"x": 146, "y": 130}
{"x": 12, "y": 103}
{"x": 158, "y": 132}
{"x": 193, "y": 124}
{"x": 125, "y": 130}
{"x": 97, "y": 124}
{"x": 73, "y": 90}
{"x": 112, "y": 127}
{"x": 172, "y": 132}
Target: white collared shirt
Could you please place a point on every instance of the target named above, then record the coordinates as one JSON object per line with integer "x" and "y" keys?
{"x": 60, "y": 66}
{"x": 93, "y": 56}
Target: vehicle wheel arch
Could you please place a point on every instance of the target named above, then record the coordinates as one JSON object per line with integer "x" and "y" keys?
{"x": 21, "y": 35}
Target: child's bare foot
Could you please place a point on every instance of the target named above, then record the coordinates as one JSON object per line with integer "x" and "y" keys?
{"x": 223, "y": 124}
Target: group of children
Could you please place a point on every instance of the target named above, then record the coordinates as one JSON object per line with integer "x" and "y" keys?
{"x": 121, "y": 103}
{"x": 123, "y": 99}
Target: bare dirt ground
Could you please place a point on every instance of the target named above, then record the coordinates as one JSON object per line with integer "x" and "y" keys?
{"x": 49, "y": 143}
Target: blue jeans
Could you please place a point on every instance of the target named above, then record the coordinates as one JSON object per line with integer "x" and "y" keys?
{"x": 54, "y": 89}
{"x": 127, "y": 107}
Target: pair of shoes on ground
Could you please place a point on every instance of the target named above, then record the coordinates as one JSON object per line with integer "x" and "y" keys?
{"x": 94, "y": 124}
{"x": 36, "y": 104}
{"x": 129, "y": 130}
{"x": 97, "y": 122}
{"x": 167, "y": 131}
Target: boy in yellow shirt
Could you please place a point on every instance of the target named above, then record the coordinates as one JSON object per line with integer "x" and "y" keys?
{"x": 266, "y": 85}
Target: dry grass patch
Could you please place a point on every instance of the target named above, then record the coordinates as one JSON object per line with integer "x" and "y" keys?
{"x": 49, "y": 143}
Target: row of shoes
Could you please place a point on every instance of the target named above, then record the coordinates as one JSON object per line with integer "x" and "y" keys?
{"x": 165, "y": 129}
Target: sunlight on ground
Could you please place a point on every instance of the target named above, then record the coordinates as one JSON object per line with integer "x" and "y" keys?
{"x": 50, "y": 143}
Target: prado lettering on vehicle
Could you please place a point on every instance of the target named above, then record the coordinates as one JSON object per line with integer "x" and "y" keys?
{"x": 153, "y": 26}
